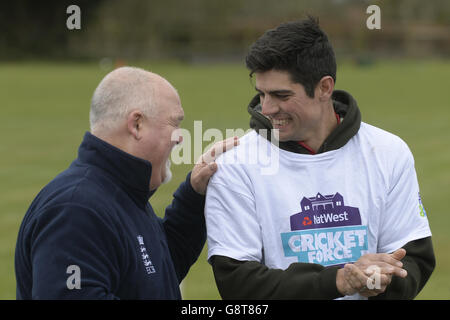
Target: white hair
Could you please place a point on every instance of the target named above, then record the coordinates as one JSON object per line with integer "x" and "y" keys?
{"x": 121, "y": 91}
{"x": 168, "y": 172}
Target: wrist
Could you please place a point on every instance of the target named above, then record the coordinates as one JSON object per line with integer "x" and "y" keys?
{"x": 327, "y": 283}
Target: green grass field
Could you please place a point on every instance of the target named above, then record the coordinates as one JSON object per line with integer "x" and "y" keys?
{"x": 44, "y": 114}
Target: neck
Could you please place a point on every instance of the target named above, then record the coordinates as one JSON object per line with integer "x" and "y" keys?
{"x": 328, "y": 124}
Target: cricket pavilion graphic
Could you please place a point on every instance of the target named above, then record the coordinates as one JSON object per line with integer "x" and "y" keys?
{"x": 325, "y": 231}
{"x": 323, "y": 212}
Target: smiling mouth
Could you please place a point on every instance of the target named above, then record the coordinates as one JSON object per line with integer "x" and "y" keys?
{"x": 277, "y": 123}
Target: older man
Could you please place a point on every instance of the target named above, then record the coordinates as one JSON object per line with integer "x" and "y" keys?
{"x": 91, "y": 232}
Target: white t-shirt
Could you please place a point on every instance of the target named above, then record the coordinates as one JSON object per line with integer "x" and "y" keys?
{"x": 277, "y": 207}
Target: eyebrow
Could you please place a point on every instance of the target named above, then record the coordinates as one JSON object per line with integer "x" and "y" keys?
{"x": 277, "y": 91}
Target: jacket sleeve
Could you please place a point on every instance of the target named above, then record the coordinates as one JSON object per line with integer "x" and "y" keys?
{"x": 184, "y": 225}
{"x": 253, "y": 280}
{"x": 70, "y": 244}
{"x": 419, "y": 262}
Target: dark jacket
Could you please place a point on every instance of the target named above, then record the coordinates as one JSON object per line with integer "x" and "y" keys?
{"x": 252, "y": 280}
{"x": 94, "y": 221}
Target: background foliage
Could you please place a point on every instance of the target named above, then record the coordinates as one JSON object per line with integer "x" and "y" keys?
{"x": 398, "y": 75}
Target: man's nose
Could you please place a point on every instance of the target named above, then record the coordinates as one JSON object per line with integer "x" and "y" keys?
{"x": 268, "y": 106}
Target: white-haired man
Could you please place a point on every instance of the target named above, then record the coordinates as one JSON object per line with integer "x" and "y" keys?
{"x": 91, "y": 232}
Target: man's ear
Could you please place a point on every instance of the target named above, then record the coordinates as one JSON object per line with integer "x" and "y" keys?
{"x": 134, "y": 123}
{"x": 325, "y": 88}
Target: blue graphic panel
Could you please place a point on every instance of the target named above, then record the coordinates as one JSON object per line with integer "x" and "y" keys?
{"x": 329, "y": 246}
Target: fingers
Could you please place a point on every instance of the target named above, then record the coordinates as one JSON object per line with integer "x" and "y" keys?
{"x": 205, "y": 167}
{"x": 367, "y": 285}
{"x": 388, "y": 263}
{"x": 377, "y": 280}
{"x": 228, "y": 144}
{"x": 207, "y": 171}
{"x": 201, "y": 176}
{"x": 217, "y": 149}
{"x": 358, "y": 280}
{"x": 399, "y": 254}
{"x": 355, "y": 277}
{"x": 223, "y": 146}
{"x": 383, "y": 257}
{"x": 372, "y": 273}
{"x": 386, "y": 268}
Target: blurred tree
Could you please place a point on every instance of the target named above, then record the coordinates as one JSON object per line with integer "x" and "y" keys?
{"x": 196, "y": 30}
{"x": 38, "y": 28}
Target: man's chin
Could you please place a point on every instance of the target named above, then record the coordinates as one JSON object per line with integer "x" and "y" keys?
{"x": 287, "y": 136}
{"x": 281, "y": 136}
{"x": 284, "y": 138}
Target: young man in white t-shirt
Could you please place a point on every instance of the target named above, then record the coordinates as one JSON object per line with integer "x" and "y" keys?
{"x": 328, "y": 209}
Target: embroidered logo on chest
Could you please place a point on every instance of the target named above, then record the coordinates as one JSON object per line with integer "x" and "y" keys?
{"x": 149, "y": 267}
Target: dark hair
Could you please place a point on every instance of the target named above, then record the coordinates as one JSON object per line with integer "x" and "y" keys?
{"x": 299, "y": 47}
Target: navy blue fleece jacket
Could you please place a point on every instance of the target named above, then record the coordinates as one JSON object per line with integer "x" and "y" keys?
{"x": 94, "y": 223}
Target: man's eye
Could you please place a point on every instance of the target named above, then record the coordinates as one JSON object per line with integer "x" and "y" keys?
{"x": 281, "y": 97}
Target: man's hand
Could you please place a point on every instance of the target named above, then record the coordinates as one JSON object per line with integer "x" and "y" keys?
{"x": 205, "y": 166}
{"x": 371, "y": 274}
{"x": 388, "y": 263}
{"x": 364, "y": 284}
